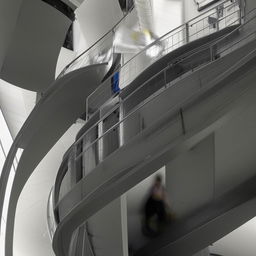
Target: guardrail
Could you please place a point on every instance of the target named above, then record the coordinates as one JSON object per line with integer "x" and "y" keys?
{"x": 203, "y": 25}
{"x": 89, "y": 146}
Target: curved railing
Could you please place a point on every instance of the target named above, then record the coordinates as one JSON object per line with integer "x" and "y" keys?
{"x": 202, "y": 25}
{"x": 190, "y": 31}
{"x": 86, "y": 152}
{"x": 87, "y": 248}
{"x": 201, "y": 28}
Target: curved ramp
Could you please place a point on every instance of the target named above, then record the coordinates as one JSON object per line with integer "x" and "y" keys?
{"x": 149, "y": 150}
{"x": 32, "y": 34}
{"x": 205, "y": 226}
{"x": 61, "y": 105}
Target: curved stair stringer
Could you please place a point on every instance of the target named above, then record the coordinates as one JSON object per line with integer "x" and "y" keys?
{"x": 223, "y": 92}
{"x": 56, "y": 111}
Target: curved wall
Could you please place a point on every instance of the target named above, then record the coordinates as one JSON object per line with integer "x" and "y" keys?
{"x": 52, "y": 116}
{"x": 32, "y": 45}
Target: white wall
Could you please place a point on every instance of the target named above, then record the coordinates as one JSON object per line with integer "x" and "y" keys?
{"x": 190, "y": 10}
{"x": 16, "y": 104}
{"x": 79, "y": 41}
{"x": 65, "y": 57}
{"x": 30, "y": 231}
{"x": 167, "y": 15}
{"x": 97, "y": 17}
{"x": 239, "y": 242}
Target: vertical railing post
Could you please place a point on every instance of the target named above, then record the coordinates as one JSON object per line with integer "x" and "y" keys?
{"x": 212, "y": 53}
{"x": 218, "y": 18}
{"x": 121, "y": 125}
{"x": 242, "y": 11}
{"x": 100, "y": 141}
{"x": 165, "y": 79}
{"x": 72, "y": 167}
{"x": 182, "y": 122}
{"x": 87, "y": 108}
{"x": 187, "y": 32}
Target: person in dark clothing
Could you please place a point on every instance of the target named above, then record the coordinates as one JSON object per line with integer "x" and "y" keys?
{"x": 156, "y": 205}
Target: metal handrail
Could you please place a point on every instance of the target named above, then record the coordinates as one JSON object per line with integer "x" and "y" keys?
{"x": 149, "y": 100}
{"x": 93, "y": 45}
{"x": 157, "y": 41}
{"x": 118, "y": 105}
{"x": 173, "y": 30}
{"x": 111, "y": 179}
{"x": 148, "y": 46}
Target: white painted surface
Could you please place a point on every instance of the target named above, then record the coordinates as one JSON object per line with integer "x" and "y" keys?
{"x": 240, "y": 242}
{"x": 16, "y": 104}
{"x": 78, "y": 39}
{"x": 5, "y": 144}
{"x": 167, "y": 15}
{"x": 30, "y": 233}
{"x": 189, "y": 10}
{"x": 96, "y": 17}
{"x": 65, "y": 57}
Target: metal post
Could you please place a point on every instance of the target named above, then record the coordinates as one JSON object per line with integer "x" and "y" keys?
{"x": 242, "y": 5}
{"x": 182, "y": 122}
{"x": 165, "y": 79}
{"x": 187, "y": 32}
{"x": 218, "y": 17}
{"x": 212, "y": 52}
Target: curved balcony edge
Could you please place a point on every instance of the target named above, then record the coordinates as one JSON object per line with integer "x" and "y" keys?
{"x": 127, "y": 173}
{"x": 46, "y": 131}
